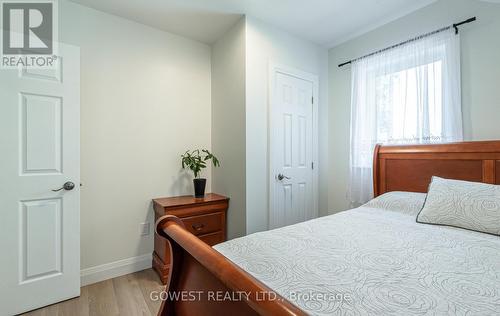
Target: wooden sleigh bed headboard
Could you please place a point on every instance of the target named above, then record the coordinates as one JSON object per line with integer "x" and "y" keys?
{"x": 410, "y": 168}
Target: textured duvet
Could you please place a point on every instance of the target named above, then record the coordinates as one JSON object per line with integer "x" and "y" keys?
{"x": 375, "y": 260}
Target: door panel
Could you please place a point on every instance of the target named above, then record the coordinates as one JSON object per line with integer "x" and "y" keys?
{"x": 39, "y": 152}
{"x": 302, "y": 201}
{"x": 302, "y": 139}
{"x": 41, "y": 244}
{"x": 287, "y": 146}
{"x": 287, "y": 211}
{"x": 50, "y": 74}
{"x": 41, "y": 134}
{"x": 292, "y": 150}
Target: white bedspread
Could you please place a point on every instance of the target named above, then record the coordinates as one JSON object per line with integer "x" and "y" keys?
{"x": 370, "y": 261}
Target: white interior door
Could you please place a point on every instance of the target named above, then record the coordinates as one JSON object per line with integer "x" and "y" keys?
{"x": 40, "y": 152}
{"x": 292, "y": 148}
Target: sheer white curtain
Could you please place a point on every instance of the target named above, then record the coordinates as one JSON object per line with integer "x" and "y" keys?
{"x": 408, "y": 94}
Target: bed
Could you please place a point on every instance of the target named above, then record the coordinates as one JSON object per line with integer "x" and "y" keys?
{"x": 373, "y": 260}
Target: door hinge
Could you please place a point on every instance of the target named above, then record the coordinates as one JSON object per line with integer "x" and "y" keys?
{"x": 312, "y": 165}
{"x": 312, "y": 100}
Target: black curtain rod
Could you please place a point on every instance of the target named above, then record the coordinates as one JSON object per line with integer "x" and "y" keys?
{"x": 455, "y": 26}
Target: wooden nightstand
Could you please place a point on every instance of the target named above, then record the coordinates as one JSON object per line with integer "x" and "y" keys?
{"x": 204, "y": 217}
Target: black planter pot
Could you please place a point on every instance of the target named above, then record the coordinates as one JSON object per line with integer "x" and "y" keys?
{"x": 199, "y": 187}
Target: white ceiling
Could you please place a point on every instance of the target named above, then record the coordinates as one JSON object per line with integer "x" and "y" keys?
{"x": 325, "y": 22}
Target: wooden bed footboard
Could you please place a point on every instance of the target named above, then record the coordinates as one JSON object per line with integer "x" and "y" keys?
{"x": 204, "y": 282}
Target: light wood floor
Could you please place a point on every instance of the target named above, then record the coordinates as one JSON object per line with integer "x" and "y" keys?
{"x": 125, "y": 295}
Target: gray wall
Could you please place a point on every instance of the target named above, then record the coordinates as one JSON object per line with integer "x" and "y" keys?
{"x": 139, "y": 88}
{"x": 240, "y": 71}
{"x": 267, "y": 44}
{"x": 480, "y": 49}
{"x": 228, "y": 124}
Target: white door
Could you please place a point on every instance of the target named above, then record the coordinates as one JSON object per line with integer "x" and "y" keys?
{"x": 292, "y": 148}
{"x": 39, "y": 153}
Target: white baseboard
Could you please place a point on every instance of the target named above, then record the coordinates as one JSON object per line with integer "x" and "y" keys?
{"x": 114, "y": 269}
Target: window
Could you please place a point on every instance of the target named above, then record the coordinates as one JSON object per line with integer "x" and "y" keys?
{"x": 400, "y": 114}
{"x": 406, "y": 95}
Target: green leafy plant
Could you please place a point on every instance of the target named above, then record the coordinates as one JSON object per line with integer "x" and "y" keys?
{"x": 197, "y": 160}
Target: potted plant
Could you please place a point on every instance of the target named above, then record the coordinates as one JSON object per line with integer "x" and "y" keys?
{"x": 195, "y": 161}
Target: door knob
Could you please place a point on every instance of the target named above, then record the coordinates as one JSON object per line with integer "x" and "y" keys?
{"x": 68, "y": 186}
{"x": 281, "y": 177}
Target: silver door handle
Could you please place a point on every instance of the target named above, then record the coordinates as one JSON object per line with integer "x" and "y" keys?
{"x": 281, "y": 177}
{"x": 68, "y": 186}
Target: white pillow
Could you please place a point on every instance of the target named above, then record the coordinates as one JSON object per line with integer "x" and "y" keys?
{"x": 409, "y": 203}
{"x": 470, "y": 205}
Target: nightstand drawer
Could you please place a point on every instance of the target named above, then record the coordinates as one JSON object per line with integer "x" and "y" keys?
{"x": 204, "y": 224}
{"x": 204, "y": 217}
{"x": 212, "y": 239}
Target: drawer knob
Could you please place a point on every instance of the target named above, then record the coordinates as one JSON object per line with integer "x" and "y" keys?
{"x": 198, "y": 227}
